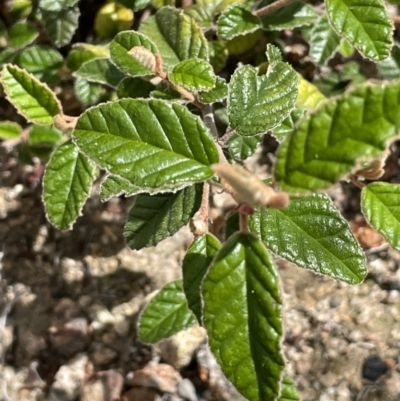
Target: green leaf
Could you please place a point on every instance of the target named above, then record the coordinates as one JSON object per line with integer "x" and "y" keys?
{"x": 242, "y": 315}
{"x": 288, "y": 391}
{"x": 312, "y": 234}
{"x": 194, "y": 266}
{"x": 82, "y": 52}
{"x": 390, "y": 67}
{"x": 235, "y": 21}
{"x": 88, "y": 93}
{"x": 345, "y": 48}
{"x": 328, "y": 142}
{"x": 134, "y": 87}
{"x": 9, "y": 130}
{"x": 217, "y": 6}
{"x": 61, "y": 25}
{"x": 116, "y": 186}
{"x": 56, "y": 5}
{"x": 66, "y": 185}
{"x": 380, "y": 203}
{"x": 217, "y": 94}
{"x": 44, "y": 135}
{"x": 309, "y": 96}
{"x": 7, "y": 55}
{"x": 154, "y": 144}
{"x": 21, "y": 35}
{"x": 166, "y": 314}
{"x": 287, "y": 125}
{"x": 324, "y": 42}
{"x": 33, "y": 99}
{"x": 218, "y": 54}
{"x": 201, "y": 15}
{"x": 154, "y": 218}
{"x": 120, "y": 47}
{"x": 242, "y": 147}
{"x": 194, "y": 75}
{"x": 365, "y": 24}
{"x": 100, "y": 70}
{"x": 256, "y": 103}
{"x": 176, "y": 36}
{"x": 291, "y": 16}
{"x": 43, "y": 62}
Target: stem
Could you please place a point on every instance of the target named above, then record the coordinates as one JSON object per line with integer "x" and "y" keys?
{"x": 272, "y": 7}
{"x": 186, "y": 94}
{"x": 209, "y": 120}
{"x": 226, "y": 136}
{"x": 204, "y": 203}
{"x": 243, "y": 226}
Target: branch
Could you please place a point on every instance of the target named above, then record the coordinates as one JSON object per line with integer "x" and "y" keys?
{"x": 270, "y": 8}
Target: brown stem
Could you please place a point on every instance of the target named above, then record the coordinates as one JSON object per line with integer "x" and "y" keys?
{"x": 226, "y": 136}
{"x": 244, "y": 228}
{"x": 272, "y": 7}
{"x": 186, "y": 94}
{"x": 396, "y": 19}
{"x": 204, "y": 202}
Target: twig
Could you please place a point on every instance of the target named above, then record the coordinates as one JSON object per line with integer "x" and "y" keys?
{"x": 244, "y": 228}
{"x": 272, "y": 7}
{"x": 209, "y": 121}
{"x": 226, "y": 136}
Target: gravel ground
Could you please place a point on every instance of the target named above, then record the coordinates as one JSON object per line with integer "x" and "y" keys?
{"x": 69, "y": 303}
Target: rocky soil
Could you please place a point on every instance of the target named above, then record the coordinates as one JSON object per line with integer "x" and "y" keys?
{"x": 69, "y": 302}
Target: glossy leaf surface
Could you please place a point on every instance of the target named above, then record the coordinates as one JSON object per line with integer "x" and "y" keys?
{"x": 166, "y": 314}
{"x": 194, "y": 266}
{"x": 256, "y": 103}
{"x": 21, "y": 35}
{"x": 66, "y": 185}
{"x": 380, "y": 203}
{"x": 154, "y": 218}
{"x": 33, "y": 99}
{"x": 154, "y": 144}
{"x": 242, "y": 315}
{"x": 329, "y": 141}
{"x": 9, "y": 130}
{"x": 176, "y": 36}
{"x": 365, "y": 24}
{"x": 312, "y": 234}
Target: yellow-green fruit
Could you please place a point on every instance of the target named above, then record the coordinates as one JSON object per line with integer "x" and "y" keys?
{"x": 242, "y": 43}
{"x": 111, "y": 19}
{"x": 20, "y": 8}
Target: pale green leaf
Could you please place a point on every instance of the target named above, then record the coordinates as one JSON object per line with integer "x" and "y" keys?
{"x": 9, "y": 130}
{"x": 256, "y": 103}
{"x": 380, "y": 203}
{"x": 194, "y": 267}
{"x": 115, "y": 186}
{"x": 291, "y": 16}
{"x": 66, "y": 185}
{"x": 345, "y": 48}
{"x": 200, "y": 14}
{"x": 44, "y": 135}
{"x": 156, "y": 217}
{"x": 82, "y": 52}
{"x": 217, "y": 6}
{"x": 100, "y": 70}
{"x": 194, "y": 75}
{"x": 312, "y": 234}
{"x": 88, "y": 93}
{"x": 134, "y": 87}
{"x": 236, "y": 20}
{"x": 166, "y": 314}
{"x": 176, "y": 35}
{"x": 365, "y": 24}
{"x": 242, "y": 147}
{"x": 154, "y": 144}
{"x": 21, "y": 35}
{"x": 309, "y": 96}
{"x": 43, "y": 62}
{"x": 33, "y": 99}
{"x": 122, "y": 44}
{"x": 56, "y": 5}
{"x": 390, "y": 67}
{"x": 324, "y": 42}
{"x": 288, "y": 391}
{"x": 217, "y": 94}
{"x": 328, "y": 142}
{"x": 61, "y": 25}
{"x": 242, "y": 315}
